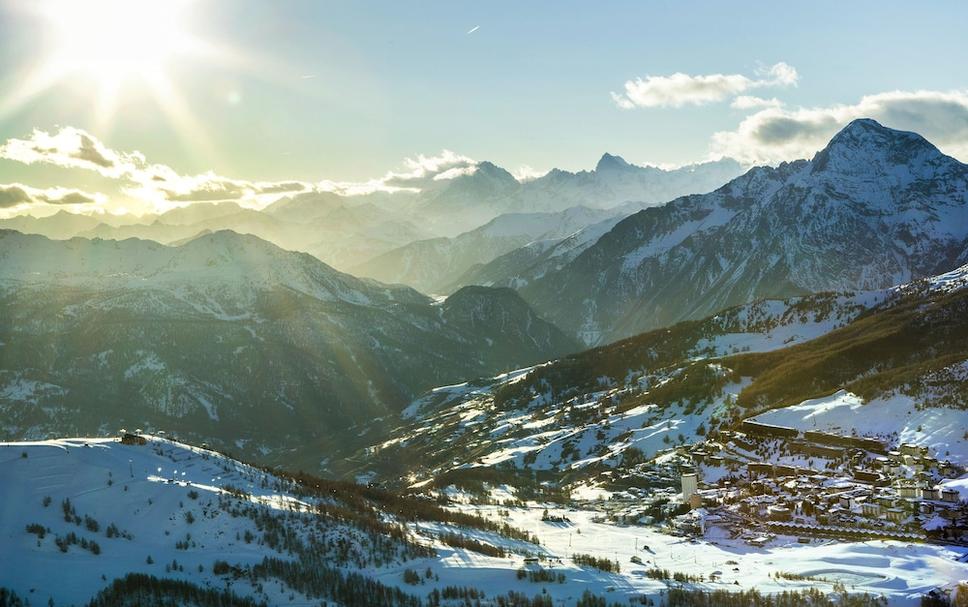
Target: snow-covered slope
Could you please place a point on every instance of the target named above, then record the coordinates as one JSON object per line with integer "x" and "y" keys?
{"x": 897, "y": 418}
{"x": 876, "y": 207}
{"x": 80, "y": 513}
{"x": 898, "y": 354}
{"x": 530, "y": 262}
{"x": 581, "y": 413}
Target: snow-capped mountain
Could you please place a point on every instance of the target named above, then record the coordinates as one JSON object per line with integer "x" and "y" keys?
{"x": 525, "y": 264}
{"x": 348, "y": 231}
{"x": 532, "y": 216}
{"x": 876, "y": 207}
{"x": 435, "y": 265}
{"x": 457, "y": 205}
{"x": 230, "y": 339}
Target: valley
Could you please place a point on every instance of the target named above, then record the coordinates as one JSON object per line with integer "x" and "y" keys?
{"x": 702, "y": 385}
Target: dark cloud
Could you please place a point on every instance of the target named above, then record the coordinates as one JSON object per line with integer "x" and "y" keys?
{"x": 89, "y": 151}
{"x": 12, "y": 195}
{"x": 281, "y": 187}
{"x": 72, "y": 197}
{"x": 783, "y": 129}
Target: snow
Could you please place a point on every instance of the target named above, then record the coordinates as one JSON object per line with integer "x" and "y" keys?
{"x": 718, "y": 216}
{"x": 901, "y": 572}
{"x": 958, "y": 484}
{"x": 140, "y": 500}
{"x": 950, "y": 281}
{"x": 150, "y": 491}
{"x": 940, "y": 429}
{"x": 772, "y": 324}
{"x": 23, "y": 390}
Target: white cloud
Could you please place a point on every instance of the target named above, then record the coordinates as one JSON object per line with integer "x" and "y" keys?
{"x": 418, "y": 173}
{"x": 160, "y": 187}
{"x": 156, "y": 184}
{"x": 749, "y": 102}
{"x": 423, "y": 169}
{"x": 71, "y": 148}
{"x": 776, "y": 134}
{"x": 681, "y": 89}
{"x": 778, "y": 74}
{"x": 526, "y": 173}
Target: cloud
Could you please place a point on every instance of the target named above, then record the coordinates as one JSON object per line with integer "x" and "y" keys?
{"x": 422, "y": 171}
{"x": 776, "y": 134}
{"x": 157, "y": 184}
{"x": 527, "y": 173}
{"x": 681, "y": 89}
{"x": 748, "y": 102}
{"x": 13, "y": 195}
{"x": 71, "y": 148}
{"x": 17, "y": 194}
{"x": 163, "y": 188}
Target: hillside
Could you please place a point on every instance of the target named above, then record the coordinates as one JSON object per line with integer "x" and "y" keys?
{"x": 591, "y": 417}
{"x": 231, "y": 340}
{"x": 98, "y": 510}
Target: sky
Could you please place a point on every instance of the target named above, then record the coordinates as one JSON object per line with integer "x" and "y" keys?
{"x": 253, "y": 99}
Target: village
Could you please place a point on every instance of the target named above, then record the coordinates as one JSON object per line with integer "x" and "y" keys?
{"x": 764, "y": 480}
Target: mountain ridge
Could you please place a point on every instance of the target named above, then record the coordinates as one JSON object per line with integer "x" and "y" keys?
{"x": 804, "y": 226}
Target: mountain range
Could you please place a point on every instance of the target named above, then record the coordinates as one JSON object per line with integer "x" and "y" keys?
{"x": 400, "y": 237}
{"x": 874, "y": 208}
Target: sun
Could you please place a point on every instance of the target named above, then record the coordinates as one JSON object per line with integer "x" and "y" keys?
{"x": 112, "y": 41}
{"x": 108, "y": 48}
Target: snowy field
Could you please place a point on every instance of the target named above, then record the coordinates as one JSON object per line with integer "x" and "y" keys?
{"x": 141, "y": 492}
{"x": 899, "y": 571}
{"x": 146, "y": 490}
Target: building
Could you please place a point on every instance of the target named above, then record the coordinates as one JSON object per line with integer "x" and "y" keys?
{"x": 906, "y": 491}
{"x": 895, "y": 514}
{"x": 690, "y": 484}
{"x": 768, "y": 430}
{"x": 133, "y": 439}
{"x": 949, "y": 495}
{"x": 915, "y": 450}
{"x": 779, "y": 513}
